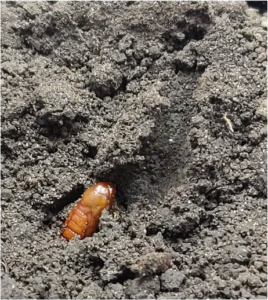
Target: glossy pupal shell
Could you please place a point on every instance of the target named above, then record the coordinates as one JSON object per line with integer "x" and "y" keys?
{"x": 83, "y": 219}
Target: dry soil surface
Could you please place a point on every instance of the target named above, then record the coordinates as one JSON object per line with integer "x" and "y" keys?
{"x": 168, "y": 101}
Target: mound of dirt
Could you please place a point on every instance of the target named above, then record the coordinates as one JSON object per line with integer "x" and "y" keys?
{"x": 168, "y": 101}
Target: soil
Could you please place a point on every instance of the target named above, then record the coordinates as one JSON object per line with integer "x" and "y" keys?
{"x": 168, "y": 101}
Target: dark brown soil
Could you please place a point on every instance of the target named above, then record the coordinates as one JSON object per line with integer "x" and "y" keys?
{"x": 168, "y": 101}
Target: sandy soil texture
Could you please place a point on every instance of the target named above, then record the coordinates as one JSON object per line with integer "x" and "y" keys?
{"x": 168, "y": 101}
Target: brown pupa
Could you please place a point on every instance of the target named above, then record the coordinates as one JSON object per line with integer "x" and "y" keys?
{"x": 84, "y": 217}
